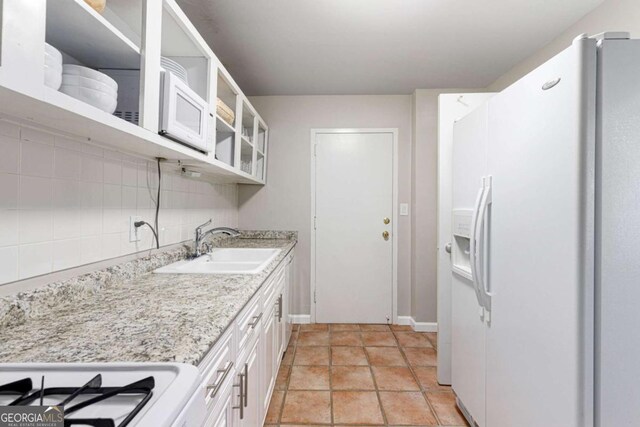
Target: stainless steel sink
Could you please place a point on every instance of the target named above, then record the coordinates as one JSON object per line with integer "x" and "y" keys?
{"x": 225, "y": 261}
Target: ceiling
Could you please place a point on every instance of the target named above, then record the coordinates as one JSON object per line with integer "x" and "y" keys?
{"x": 306, "y": 47}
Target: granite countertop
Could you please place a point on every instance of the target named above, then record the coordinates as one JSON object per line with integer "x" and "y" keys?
{"x": 146, "y": 318}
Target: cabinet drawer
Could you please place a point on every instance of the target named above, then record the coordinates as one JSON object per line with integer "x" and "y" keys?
{"x": 248, "y": 321}
{"x": 272, "y": 288}
{"x": 218, "y": 368}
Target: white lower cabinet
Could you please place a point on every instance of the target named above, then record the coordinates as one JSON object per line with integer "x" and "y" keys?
{"x": 252, "y": 413}
{"x": 240, "y": 372}
{"x": 224, "y": 414}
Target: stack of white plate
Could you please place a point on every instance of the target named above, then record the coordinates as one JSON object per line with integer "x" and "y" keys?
{"x": 52, "y": 66}
{"x": 177, "y": 69}
{"x": 90, "y": 86}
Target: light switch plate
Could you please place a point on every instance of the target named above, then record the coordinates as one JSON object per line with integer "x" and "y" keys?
{"x": 404, "y": 209}
{"x": 133, "y": 231}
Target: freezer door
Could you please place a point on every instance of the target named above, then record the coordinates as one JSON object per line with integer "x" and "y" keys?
{"x": 618, "y": 211}
{"x": 540, "y": 245}
{"x": 467, "y": 316}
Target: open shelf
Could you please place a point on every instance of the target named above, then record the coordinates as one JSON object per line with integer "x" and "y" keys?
{"x": 227, "y": 95}
{"x": 110, "y": 42}
{"x": 246, "y": 156}
{"x": 261, "y": 141}
{"x": 225, "y": 148}
{"x": 74, "y": 28}
{"x": 259, "y": 169}
{"x": 222, "y": 126}
{"x": 248, "y": 123}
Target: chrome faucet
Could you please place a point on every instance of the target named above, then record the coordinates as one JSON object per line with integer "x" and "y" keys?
{"x": 200, "y": 235}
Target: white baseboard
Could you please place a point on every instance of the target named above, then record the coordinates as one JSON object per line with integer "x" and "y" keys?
{"x": 303, "y": 319}
{"x": 404, "y": 320}
{"x": 300, "y": 319}
{"x": 424, "y": 326}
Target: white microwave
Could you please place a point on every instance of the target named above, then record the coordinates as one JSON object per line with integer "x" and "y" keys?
{"x": 183, "y": 114}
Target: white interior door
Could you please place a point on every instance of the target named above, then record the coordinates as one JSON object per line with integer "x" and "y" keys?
{"x": 354, "y": 181}
{"x": 451, "y": 107}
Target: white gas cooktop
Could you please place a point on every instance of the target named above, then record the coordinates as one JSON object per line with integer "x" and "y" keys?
{"x": 108, "y": 394}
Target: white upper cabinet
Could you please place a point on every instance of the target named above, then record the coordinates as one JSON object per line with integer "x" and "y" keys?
{"x": 209, "y": 124}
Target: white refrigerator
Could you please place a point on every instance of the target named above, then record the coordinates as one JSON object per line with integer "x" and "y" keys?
{"x": 546, "y": 245}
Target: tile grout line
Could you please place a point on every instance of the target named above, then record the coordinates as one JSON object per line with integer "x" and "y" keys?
{"x": 375, "y": 383}
{"x": 330, "y": 374}
{"x": 415, "y": 377}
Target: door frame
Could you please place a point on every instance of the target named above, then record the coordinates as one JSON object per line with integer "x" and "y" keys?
{"x": 394, "y": 228}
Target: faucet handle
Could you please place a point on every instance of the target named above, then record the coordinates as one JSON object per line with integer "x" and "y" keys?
{"x": 200, "y": 227}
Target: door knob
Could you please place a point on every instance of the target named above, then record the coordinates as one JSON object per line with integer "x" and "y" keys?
{"x": 386, "y": 220}
{"x": 385, "y": 235}
{"x": 447, "y": 248}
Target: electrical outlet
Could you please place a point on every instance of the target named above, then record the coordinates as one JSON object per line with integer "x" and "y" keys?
{"x": 133, "y": 231}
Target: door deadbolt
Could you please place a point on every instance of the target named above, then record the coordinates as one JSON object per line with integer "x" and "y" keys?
{"x": 385, "y": 235}
{"x": 386, "y": 220}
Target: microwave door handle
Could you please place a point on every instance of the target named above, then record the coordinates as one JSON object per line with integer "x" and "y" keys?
{"x": 472, "y": 243}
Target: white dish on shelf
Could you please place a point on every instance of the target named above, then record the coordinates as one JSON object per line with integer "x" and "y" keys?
{"x": 53, "y": 77}
{"x": 177, "y": 69}
{"x": 104, "y": 101}
{"x": 78, "y": 70}
{"x": 80, "y": 81}
{"x": 53, "y": 53}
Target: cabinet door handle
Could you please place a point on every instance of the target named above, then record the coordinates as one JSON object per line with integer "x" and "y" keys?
{"x": 215, "y": 387}
{"x": 256, "y": 320}
{"x": 241, "y": 404}
{"x": 246, "y": 384}
{"x": 280, "y": 308}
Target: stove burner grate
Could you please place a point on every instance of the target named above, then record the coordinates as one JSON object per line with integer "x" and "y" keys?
{"x": 23, "y": 388}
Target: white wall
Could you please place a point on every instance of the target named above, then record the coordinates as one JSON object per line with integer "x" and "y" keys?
{"x": 611, "y": 15}
{"x": 65, "y": 203}
{"x": 285, "y": 202}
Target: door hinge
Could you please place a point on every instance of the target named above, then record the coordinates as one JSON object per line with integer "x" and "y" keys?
{"x": 314, "y": 296}
{"x": 315, "y": 150}
{"x": 315, "y": 223}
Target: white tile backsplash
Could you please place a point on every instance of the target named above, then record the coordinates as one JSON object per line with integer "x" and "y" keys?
{"x": 9, "y": 190}
{"x": 9, "y": 227}
{"x": 35, "y": 192}
{"x": 8, "y": 264}
{"x": 65, "y": 203}
{"x": 35, "y": 226}
{"x": 66, "y": 163}
{"x": 10, "y": 158}
{"x": 66, "y": 254}
{"x": 35, "y": 259}
{"x": 36, "y": 159}
{"x": 35, "y": 135}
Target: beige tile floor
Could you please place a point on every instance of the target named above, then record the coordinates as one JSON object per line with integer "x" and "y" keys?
{"x": 361, "y": 375}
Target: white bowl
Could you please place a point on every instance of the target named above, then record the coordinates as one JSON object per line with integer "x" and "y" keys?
{"x": 101, "y": 100}
{"x": 53, "y": 77}
{"x": 53, "y": 52}
{"x": 73, "y": 80}
{"x": 48, "y": 62}
{"x": 53, "y": 64}
{"x": 52, "y": 60}
{"x": 78, "y": 70}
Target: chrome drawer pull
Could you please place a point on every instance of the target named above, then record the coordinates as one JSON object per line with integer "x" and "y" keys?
{"x": 246, "y": 384}
{"x": 256, "y": 320}
{"x": 241, "y": 403}
{"x": 215, "y": 387}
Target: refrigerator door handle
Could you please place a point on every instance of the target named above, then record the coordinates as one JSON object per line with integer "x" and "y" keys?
{"x": 472, "y": 243}
{"x": 481, "y": 256}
